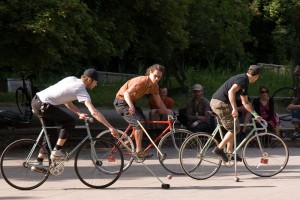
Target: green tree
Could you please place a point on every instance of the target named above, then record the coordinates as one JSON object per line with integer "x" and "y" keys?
{"x": 45, "y": 34}
{"x": 218, "y": 30}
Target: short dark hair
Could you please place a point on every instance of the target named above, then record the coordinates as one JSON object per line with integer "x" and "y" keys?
{"x": 254, "y": 70}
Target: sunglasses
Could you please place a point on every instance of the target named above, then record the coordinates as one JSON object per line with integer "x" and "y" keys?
{"x": 265, "y": 91}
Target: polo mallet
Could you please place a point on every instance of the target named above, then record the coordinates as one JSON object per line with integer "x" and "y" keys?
{"x": 236, "y": 179}
{"x": 164, "y": 185}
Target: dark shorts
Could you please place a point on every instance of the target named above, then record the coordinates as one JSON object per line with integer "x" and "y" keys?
{"x": 224, "y": 113}
{"x": 122, "y": 108}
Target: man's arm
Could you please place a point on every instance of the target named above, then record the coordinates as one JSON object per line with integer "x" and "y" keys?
{"x": 248, "y": 106}
{"x": 232, "y": 99}
{"x": 72, "y": 107}
{"x": 97, "y": 115}
{"x": 128, "y": 100}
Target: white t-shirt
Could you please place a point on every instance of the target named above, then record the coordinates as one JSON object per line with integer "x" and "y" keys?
{"x": 66, "y": 90}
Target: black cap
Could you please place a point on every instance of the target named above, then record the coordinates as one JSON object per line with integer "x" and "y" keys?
{"x": 91, "y": 73}
{"x": 254, "y": 70}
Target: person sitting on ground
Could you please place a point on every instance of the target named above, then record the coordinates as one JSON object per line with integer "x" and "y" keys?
{"x": 130, "y": 92}
{"x": 264, "y": 106}
{"x": 45, "y": 105}
{"x": 294, "y": 107}
{"x": 197, "y": 111}
{"x": 157, "y": 114}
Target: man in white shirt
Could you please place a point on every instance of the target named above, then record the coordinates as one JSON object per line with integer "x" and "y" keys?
{"x": 45, "y": 103}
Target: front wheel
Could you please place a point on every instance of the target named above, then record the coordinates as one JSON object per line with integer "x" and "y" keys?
{"x": 265, "y": 154}
{"x": 98, "y": 163}
{"x": 196, "y": 157}
{"x": 169, "y": 146}
{"x": 17, "y": 161}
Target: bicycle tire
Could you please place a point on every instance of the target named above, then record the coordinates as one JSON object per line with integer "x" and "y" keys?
{"x": 268, "y": 160}
{"x": 16, "y": 172}
{"x": 169, "y": 146}
{"x": 97, "y": 161}
{"x": 24, "y": 103}
{"x": 196, "y": 157}
{"x": 282, "y": 98}
{"x": 127, "y": 154}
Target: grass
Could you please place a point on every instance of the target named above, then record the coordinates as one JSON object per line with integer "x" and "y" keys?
{"x": 211, "y": 80}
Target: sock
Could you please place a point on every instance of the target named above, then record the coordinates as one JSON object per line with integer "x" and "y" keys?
{"x": 57, "y": 147}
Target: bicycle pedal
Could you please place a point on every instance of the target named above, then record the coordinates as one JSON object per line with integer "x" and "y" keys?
{"x": 39, "y": 170}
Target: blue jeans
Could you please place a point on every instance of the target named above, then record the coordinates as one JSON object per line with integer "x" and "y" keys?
{"x": 296, "y": 116}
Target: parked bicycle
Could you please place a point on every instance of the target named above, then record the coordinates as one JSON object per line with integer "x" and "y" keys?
{"x": 10, "y": 120}
{"x": 94, "y": 164}
{"x": 24, "y": 96}
{"x": 284, "y": 96}
{"x": 169, "y": 142}
{"x": 264, "y": 154}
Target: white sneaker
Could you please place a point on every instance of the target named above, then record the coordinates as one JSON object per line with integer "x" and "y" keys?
{"x": 39, "y": 167}
{"x": 57, "y": 155}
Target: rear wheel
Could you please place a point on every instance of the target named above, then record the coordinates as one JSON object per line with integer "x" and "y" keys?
{"x": 16, "y": 164}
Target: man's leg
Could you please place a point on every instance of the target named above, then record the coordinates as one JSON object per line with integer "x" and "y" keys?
{"x": 138, "y": 134}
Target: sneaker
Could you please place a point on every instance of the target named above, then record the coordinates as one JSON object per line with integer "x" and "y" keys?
{"x": 221, "y": 154}
{"x": 39, "y": 167}
{"x": 57, "y": 155}
{"x": 238, "y": 158}
{"x": 144, "y": 154}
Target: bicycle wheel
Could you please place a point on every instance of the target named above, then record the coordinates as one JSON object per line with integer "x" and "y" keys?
{"x": 265, "y": 154}
{"x": 23, "y": 103}
{"x": 169, "y": 146}
{"x": 282, "y": 98}
{"x": 16, "y": 162}
{"x": 196, "y": 157}
{"x": 127, "y": 153}
{"x": 98, "y": 163}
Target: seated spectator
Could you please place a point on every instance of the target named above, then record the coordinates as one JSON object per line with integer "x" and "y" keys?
{"x": 157, "y": 114}
{"x": 244, "y": 117}
{"x": 294, "y": 107}
{"x": 197, "y": 111}
{"x": 264, "y": 106}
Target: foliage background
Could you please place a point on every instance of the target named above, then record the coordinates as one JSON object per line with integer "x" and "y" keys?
{"x": 200, "y": 41}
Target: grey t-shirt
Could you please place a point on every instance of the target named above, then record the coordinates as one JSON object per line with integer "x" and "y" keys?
{"x": 66, "y": 90}
{"x": 241, "y": 80}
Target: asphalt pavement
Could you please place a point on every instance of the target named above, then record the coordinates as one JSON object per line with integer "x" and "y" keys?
{"x": 138, "y": 183}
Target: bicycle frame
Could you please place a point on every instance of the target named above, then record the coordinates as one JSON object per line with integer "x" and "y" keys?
{"x": 170, "y": 127}
{"x": 254, "y": 130}
{"x": 43, "y": 132}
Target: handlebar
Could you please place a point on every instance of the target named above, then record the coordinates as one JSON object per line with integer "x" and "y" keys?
{"x": 172, "y": 117}
{"x": 89, "y": 119}
{"x": 262, "y": 122}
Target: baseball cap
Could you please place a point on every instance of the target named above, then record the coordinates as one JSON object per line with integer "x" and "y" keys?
{"x": 255, "y": 70}
{"x": 197, "y": 87}
{"x": 91, "y": 73}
